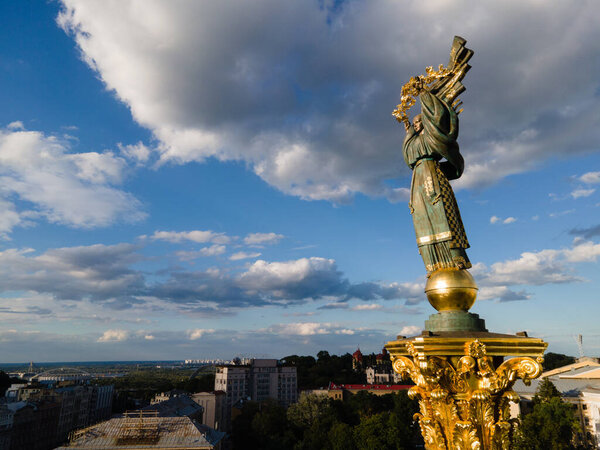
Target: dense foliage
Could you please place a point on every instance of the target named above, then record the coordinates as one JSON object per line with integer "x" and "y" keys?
{"x": 363, "y": 422}
{"x": 555, "y": 360}
{"x": 550, "y": 425}
{"x": 313, "y": 373}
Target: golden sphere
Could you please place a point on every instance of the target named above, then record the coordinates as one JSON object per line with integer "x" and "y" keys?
{"x": 451, "y": 290}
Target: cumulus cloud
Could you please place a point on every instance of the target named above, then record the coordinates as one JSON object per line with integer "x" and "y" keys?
{"x": 213, "y": 250}
{"x": 496, "y": 219}
{"x": 139, "y": 153}
{"x": 301, "y": 328}
{"x": 274, "y": 283}
{"x": 367, "y": 307}
{"x": 74, "y": 189}
{"x": 16, "y": 125}
{"x": 502, "y": 293}
{"x": 98, "y": 272}
{"x": 547, "y": 266}
{"x": 114, "y": 336}
{"x": 410, "y": 330}
{"x": 310, "y": 111}
{"x": 243, "y": 255}
{"x": 198, "y": 333}
{"x": 590, "y": 178}
{"x": 197, "y": 236}
{"x": 260, "y": 239}
{"x": 345, "y": 331}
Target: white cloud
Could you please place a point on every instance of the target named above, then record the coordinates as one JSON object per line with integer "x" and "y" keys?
{"x": 193, "y": 236}
{"x": 136, "y": 152}
{"x": 583, "y": 251}
{"x": 496, "y": 219}
{"x": 198, "y": 333}
{"x": 114, "y": 336}
{"x": 410, "y": 330}
{"x": 561, "y": 213}
{"x": 149, "y": 337}
{"x": 74, "y": 189}
{"x": 345, "y": 331}
{"x": 310, "y": 112}
{"x": 16, "y": 125}
{"x": 579, "y": 193}
{"x": 301, "y": 328}
{"x": 532, "y": 268}
{"x": 213, "y": 250}
{"x": 547, "y": 266}
{"x": 263, "y": 238}
{"x": 590, "y": 178}
{"x": 367, "y": 307}
{"x": 502, "y": 293}
{"x": 243, "y": 255}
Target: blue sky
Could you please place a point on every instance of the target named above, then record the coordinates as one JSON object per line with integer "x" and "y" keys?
{"x": 211, "y": 179}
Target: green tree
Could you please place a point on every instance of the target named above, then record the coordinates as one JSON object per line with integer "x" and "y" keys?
{"x": 550, "y": 425}
{"x": 271, "y": 428}
{"x": 555, "y": 360}
{"x": 309, "y": 409}
{"x": 545, "y": 391}
{"x": 340, "y": 437}
{"x": 377, "y": 432}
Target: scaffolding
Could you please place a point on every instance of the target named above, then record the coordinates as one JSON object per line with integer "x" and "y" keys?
{"x": 139, "y": 427}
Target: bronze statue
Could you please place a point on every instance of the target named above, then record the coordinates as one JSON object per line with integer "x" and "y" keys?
{"x": 431, "y": 151}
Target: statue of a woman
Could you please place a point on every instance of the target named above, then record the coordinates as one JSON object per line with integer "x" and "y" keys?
{"x": 431, "y": 151}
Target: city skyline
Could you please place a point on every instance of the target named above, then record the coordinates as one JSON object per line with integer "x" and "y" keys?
{"x": 185, "y": 180}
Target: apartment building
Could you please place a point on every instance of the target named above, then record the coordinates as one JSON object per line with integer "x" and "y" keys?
{"x": 258, "y": 380}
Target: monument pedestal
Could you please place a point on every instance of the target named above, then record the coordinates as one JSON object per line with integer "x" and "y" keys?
{"x": 454, "y": 320}
{"x": 464, "y": 374}
{"x": 463, "y": 382}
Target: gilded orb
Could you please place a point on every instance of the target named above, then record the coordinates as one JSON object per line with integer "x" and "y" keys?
{"x": 451, "y": 290}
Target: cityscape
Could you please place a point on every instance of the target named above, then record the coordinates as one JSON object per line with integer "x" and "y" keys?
{"x": 256, "y": 225}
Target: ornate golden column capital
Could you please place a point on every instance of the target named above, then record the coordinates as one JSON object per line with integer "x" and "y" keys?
{"x": 464, "y": 389}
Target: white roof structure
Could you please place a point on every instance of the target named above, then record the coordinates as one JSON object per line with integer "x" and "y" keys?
{"x": 570, "y": 380}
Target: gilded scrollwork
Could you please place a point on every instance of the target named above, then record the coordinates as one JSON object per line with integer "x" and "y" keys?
{"x": 465, "y": 402}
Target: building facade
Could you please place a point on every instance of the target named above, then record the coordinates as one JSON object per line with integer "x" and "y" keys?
{"x": 258, "y": 380}
{"x": 213, "y": 404}
{"x": 344, "y": 391}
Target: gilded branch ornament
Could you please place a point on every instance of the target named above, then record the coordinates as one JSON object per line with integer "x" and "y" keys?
{"x": 412, "y": 89}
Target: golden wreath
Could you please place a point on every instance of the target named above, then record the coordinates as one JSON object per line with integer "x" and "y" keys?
{"x": 412, "y": 89}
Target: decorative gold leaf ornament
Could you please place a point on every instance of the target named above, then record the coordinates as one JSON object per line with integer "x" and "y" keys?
{"x": 416, "y": 85}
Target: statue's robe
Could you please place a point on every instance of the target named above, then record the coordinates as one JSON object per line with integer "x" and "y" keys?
{"x": 440, "y": 232}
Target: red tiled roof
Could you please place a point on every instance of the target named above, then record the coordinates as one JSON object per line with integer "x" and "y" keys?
{"x": 370, "y": 387}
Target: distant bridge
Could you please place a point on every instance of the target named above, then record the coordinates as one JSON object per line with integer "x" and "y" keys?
{"x": 63, "y": 374}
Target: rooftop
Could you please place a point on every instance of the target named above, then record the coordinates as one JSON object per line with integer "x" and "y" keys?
{"x": 142, "y": 430}
{"x": 370, "y": 387}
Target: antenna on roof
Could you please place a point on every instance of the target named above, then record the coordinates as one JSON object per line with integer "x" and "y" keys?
{"x": 579, "y": 340}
